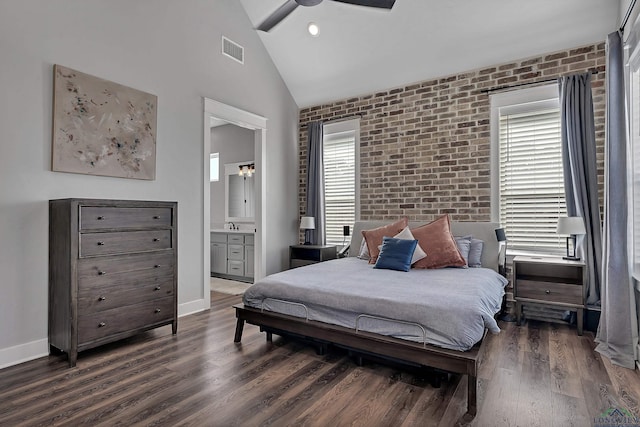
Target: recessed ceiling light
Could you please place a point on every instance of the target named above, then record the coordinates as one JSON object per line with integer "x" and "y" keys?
{"x": 313, "y": 29}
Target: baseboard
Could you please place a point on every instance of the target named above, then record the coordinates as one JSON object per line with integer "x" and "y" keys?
{"x": 39, "y": 348}
{"x": 192, "y": 307}
{"x": 23, "y": 352}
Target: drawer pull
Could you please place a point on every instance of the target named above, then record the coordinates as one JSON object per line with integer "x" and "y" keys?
{"x": 100, "y": 243}
{"x": 157, "y": 310}
{"x": 101, "y": 325}
{"x": 155, "y": 239}
{"x": 547, "y": 292}
{"x": 157, "y": 266}
{"x": 156, "y": 217}
{"x": 102, "y": 298}
{"x": 157, "y": 288}
{"x": 101, "y": 273}
{"x": 100, "y": 218}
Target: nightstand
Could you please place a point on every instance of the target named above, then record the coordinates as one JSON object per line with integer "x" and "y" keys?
{"x": 549, "y": 282}
{"x": 300, "y": 255}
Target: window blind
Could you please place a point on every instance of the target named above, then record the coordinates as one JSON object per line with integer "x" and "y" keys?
{"x": 339, "y": 184}
{"x": 531, "y": 177}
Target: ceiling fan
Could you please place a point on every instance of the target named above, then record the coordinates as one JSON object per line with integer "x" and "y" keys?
{"x": 284, "y": 10}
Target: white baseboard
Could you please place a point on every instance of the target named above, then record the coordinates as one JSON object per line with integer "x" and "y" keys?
{"x": 23, "y": 352}
{"x": 40, "y": 348}
{"x": 192, "y": 307}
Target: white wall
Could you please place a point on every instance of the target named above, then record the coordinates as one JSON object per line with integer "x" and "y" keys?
{"x": 235, "y": 144}
{"x": 168, "y": 48}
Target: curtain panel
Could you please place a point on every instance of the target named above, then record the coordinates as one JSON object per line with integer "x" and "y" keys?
{"x": 580, "y": 172}
{"x": 617, "y": 335}
{"x": 315, "y": 182}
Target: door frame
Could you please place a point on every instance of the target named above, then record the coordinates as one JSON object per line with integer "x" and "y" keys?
{"x": 218, "y": 110}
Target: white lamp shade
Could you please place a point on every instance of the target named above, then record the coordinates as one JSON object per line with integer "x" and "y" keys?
{"x": 307, "y": 223}
{"x": 570, "y": 225}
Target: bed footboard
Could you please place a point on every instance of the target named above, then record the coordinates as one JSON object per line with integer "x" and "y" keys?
{"x": 465, "y": 363}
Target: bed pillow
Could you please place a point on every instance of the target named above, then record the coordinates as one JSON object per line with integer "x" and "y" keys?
{"x": 418, "y": 253}
{"x": 363, "y": 253}
{"x": 374, "y": 237}
{"x": 464, "y": 246}
{"x": 475, "y": 253}
{"x": 396, "y": 254}
{"x": 435, "y": 239}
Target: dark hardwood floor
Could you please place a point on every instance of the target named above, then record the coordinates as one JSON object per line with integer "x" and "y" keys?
{"x": 535, "y": 375}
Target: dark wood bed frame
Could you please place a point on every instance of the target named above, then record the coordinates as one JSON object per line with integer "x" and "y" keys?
{"x": 459, "y": 362}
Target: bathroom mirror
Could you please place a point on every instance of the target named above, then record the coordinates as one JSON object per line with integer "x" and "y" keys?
{"x": 239, "y": 192}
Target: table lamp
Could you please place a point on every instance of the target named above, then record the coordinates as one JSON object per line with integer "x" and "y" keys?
{"x": 571, "y": 226}
{"x": 307, "y": 223}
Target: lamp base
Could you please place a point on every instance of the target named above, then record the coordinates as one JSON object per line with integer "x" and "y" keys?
{"x": 571, "y": 258}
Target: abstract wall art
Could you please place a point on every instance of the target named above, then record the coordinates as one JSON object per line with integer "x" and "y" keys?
{"x": 101, "y": 127}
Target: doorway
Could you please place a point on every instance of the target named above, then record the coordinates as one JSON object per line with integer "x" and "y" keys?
{"x": 217, "y": 113}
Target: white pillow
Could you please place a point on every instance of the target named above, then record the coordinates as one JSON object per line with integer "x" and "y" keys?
{"x": 364, "y": 251}
{"x": 418, "y": 254}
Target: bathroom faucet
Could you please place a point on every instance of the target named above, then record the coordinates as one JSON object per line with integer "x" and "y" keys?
{"x": 232, "y": 226}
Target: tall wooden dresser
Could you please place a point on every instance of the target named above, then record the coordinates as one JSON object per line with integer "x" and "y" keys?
{"x": 112, "y": 271}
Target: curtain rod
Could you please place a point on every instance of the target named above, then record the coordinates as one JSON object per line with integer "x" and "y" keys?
{"x": 506, "y": 87}
{"x": 344, "y": 118}
{"x": 627, "y": 16}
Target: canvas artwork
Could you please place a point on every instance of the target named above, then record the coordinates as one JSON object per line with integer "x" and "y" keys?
{"x": 102, "y": 128}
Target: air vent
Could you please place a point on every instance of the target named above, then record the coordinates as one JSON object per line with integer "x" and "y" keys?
{"x": 232, "y": 50}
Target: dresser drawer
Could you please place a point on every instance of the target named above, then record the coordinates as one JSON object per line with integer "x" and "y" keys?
{"x": 110, "y": 322}
{"x": 105, "y": 217}
{"x": 92, "y": 244}
{"x": 237, "y": 239}
{"x": 549, "y": 291}
{"x": 235, "y": 268}
{"x": 123, "y": 270}
{"x": 94, "y": 299}
{"x": 235, "y": 252}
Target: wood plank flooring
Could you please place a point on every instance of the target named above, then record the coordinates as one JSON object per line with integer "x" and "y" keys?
{"x": 538, "y": 374}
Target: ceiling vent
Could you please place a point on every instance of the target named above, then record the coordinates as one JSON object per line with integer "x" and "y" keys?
{"x": 233, "y": 50}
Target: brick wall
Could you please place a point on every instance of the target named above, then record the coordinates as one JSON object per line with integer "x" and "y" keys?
{"x": 425, "y": 147}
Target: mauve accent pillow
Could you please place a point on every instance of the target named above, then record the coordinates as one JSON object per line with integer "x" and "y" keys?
{"x": 435, "y": 239}
{"x": 396, "y": 254}
{"x": 374, "y": 237}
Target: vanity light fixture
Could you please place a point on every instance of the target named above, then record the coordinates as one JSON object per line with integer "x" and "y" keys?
{"x": 247, "y": 170}
{"x": 313, "y": 29}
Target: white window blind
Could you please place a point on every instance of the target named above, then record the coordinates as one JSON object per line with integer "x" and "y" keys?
{"x": 339, "y": 184}
{"x": 531, "y": 176}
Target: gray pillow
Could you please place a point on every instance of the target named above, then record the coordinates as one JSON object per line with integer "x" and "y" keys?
{"x": 464, "y": 246}
{"x": 475, "y": 253}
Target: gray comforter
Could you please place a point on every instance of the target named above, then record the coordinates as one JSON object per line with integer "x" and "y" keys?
{"x": 453, "y": 305}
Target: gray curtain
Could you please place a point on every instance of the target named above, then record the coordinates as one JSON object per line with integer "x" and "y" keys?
{"x": 315, "y": 182}
{"x": 617, "y": 335}
{"x": 580, "y": 174}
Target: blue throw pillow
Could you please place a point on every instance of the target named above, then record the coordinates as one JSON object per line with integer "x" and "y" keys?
{"x": 396, "y": 254}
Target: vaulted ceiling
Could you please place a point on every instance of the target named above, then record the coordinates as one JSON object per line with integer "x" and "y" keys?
{"x": 361, "y": 50}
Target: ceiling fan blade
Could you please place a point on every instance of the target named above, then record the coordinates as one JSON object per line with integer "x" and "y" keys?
{"x": 277, "y": 16}
{"x": 383, "y": 4}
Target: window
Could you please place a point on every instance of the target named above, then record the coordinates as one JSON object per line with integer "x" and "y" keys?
{"x": 214, "y": 171}
{"x": 340, "y": 158}
{"x": 528, "y": 191}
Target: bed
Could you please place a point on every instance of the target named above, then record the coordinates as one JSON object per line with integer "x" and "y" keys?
{"x": 435, "y": 318}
